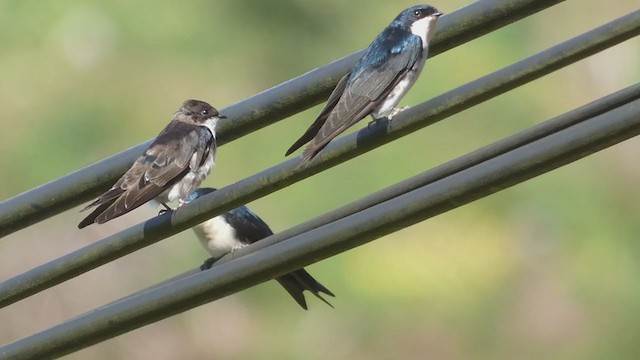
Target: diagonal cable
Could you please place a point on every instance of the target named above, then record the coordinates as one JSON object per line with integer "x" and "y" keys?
{"x": 498, "y": 173}
{"x": 340, "y": 150}
{"x": 251, "y": 114}
{"x": 527, "y": 136}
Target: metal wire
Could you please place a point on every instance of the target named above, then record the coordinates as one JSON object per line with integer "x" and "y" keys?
{"x": 338, "y": 151}
{"x": 546, "y": 128}
{"x": 475, "y": 182}
{"x": 253, "y": 113}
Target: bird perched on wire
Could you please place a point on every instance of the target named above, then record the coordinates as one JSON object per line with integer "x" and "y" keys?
{"x": 174, "y": 165}
{"x": 387, "y": 69}
{"x": 240, "y": 227}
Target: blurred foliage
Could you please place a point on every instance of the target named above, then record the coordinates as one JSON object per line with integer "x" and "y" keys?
{"x": 547, "y": 269}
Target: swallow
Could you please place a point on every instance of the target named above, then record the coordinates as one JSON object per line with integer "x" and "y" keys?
{"x": 174, "y": 165}
{"x": 240, "y": 227}
{"x": 385, "y": 72}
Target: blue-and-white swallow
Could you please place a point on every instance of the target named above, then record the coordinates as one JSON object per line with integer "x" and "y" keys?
{"x": 387, "y": 69}
{"x": 174, "y": 165}
{"x": 240, "y": 227}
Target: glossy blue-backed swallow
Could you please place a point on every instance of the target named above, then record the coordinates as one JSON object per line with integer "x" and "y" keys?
{"x": 383, "y": 75}
{"x": 240, "y": 227}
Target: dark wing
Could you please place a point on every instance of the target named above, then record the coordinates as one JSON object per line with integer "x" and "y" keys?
{"x": 91, "y": 218}
{"x": 384, "y": 64}
{"x": 315, "y": 127}
{"x": 167, "y": 160}
{"x": 249, "y": 227}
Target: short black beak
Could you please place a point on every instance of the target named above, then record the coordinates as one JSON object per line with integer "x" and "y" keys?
{"x": 220, "y": 116}
{"x": 438, "y": 14}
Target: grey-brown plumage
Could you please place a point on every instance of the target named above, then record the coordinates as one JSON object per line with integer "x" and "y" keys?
{"x": 387, "y": 69}
{"x": 171, "y": 167}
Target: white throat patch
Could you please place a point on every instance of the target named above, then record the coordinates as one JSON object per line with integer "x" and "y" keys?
{"x": 424, "y": 28}
{"x": 211, "y": 125}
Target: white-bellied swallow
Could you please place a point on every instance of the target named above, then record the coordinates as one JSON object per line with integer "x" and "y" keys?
{"x": 174, "y": 165}
{"x": 383, "y": 75}
{"x": 240, "y": 227}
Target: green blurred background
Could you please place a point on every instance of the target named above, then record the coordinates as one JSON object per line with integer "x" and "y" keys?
{"x": 547, "y": 269}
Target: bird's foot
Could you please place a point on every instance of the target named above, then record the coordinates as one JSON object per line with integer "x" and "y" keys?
{"x": 396, "y": 111}
{"x": 166, "y": 209}
{"x": 376, "y": 119}
{"x": 234, "y": 249}
{"x": 210, "y": 261}
{"x": 207, "y": 264}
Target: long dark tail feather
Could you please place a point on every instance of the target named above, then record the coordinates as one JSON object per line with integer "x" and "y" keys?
{"x": 313, "y": 130}
{"x": 312, "y": 150}
{"x": 308, "y": 135}
{"x": 296, "y": 282}
{"x": 290, "y": 284}
{"x": 95, "y": 203}
{"x": 91, "y": 218}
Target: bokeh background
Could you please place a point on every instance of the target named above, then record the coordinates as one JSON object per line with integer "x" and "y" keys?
{"x": 547, "y": 269}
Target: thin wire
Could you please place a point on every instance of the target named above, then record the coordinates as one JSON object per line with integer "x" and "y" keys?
{"x": 251, "y": 114}
{"x": 488, "y": 177}
{"x": 340, "y": 150}
{"x": 546, "y": 128}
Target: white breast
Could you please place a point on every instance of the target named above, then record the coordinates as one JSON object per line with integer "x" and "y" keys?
{"x": 397, "y": 93}
{"x": 424, "y": 28}
{"x": 217, "y": 237}
{"x": 180, "y": 190}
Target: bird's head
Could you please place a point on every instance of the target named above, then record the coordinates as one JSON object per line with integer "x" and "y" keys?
{"x": 420, "y": 20}
{"x": 199, "y": 111}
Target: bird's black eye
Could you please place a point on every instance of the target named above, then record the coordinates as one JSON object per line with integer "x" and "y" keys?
{"x": 205, "y": 112}
{"x": 417, "y": 13}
